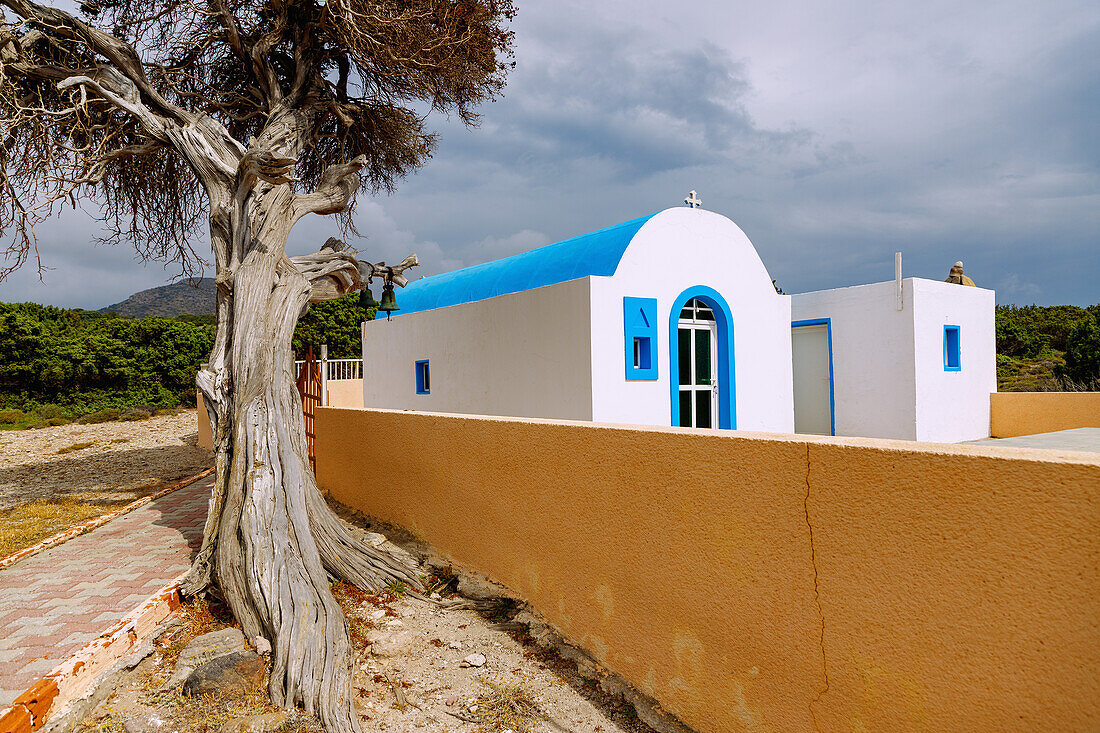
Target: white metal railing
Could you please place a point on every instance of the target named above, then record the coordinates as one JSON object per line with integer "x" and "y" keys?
{"x": 336, "y": 368}
{"x": 345, "y": 368}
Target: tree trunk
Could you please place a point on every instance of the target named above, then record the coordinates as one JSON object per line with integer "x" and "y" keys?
{"x": 271, "y": 542}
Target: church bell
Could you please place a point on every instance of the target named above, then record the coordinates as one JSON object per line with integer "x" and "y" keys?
{"x": 389, "y": 301}
{"x": 366, "y": 299}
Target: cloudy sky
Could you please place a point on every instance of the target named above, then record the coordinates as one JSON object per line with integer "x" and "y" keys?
{"x": 834, "y": 133}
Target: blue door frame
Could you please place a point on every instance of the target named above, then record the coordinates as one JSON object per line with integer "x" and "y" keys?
{"x": 828, "y": 324}
{"x": 727, "y": 387}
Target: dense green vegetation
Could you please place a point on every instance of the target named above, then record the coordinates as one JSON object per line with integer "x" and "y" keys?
{"x": 1048, "y": 348}
{"x": 334, "y": 322}
{"x": 58, "y": 364}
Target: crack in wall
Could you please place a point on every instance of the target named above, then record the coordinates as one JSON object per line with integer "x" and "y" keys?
{"x": 817, "y": 595}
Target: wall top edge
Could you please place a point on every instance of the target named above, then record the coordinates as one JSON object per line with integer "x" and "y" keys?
{"x": 1035, "y": 455}
{"x": 884, "y": 283}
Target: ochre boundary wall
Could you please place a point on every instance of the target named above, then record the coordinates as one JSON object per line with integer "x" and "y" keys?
{"x": 754, "y": 582}
{"x": 1029, "y": 413}
{"x": 206, "y": 434}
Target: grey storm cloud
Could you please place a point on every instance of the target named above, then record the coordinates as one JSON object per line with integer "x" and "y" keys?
{"x": 641, "y": 112}
{"x": 833, "y": 136}
{"x": 598, "y": 98}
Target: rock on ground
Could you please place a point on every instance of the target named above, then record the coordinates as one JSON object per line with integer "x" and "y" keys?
{"x": 238, "y": 672}
{"x": 204, "y": 648}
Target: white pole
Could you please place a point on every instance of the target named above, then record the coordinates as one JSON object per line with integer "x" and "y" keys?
{"x": 324, "y": 374}
{"x": 897, "y": 280}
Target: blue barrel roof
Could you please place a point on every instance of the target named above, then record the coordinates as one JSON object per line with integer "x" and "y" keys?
{"x": 595, "y": 253}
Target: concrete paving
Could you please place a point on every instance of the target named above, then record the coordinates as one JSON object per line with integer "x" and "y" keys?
{"x": 1080, "y": 439}
{"x": 55, "y": 602}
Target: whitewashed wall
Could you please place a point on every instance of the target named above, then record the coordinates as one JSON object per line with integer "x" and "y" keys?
{"x": 874, "y": 383}
{"x": 888, "y": 375}
{"x": 954, "y": 406}
{"x": 675, "y": 250}
{"x": 523, "y": 355}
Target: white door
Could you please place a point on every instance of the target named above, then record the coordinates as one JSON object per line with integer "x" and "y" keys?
{"x": 697, "y": 351}
{"x": 813, "y": 409}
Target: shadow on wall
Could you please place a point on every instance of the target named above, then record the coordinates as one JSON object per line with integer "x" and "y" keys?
{"x": 749, "y": 581}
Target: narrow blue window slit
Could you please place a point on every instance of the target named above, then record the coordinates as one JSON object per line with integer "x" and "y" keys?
{"x": 643, "y": 353}
{"x": 952, "y": 354}
{"x": 423, "y": 377}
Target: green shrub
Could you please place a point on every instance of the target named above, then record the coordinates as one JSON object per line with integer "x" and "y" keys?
{"x": 11, "y": 417}
{"x": 1083, "y": 353}
{"x": 106, "y": 415}
{"x": 333, "y": 322}
{"x": 50, "y": 412}
{"x": 135, "y": 413}
{"x": 58, "y": 421}
{"x": 82, "y": 362}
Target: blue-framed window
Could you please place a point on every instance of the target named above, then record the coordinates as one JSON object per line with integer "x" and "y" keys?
{"x": 423, "y": 377}
{"x": 952, "y": 349}
{"x": 640, "y": 337}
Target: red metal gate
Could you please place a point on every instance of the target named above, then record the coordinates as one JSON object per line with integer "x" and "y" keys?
{"x": 309, "y": 387}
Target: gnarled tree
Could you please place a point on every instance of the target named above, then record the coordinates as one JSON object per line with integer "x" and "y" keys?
{"x": 244, "y": 116}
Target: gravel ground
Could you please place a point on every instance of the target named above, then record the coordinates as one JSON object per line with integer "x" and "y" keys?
{"x": 409, "y": 645}
{"x": 125, "y": 461}
{"x": 421, "y": 649}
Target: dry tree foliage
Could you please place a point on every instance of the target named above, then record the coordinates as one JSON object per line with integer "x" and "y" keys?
{"x": 363, "y": 74}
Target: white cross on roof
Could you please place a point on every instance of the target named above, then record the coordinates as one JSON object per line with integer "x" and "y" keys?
{"x": 693, "y": 200}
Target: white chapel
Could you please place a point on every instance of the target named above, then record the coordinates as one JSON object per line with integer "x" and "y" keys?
{"x": 672, "y": 319}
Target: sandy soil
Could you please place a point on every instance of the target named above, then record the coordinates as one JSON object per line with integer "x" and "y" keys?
{"x": 422, "y": 649}
{"x": 401, "y": 644}
{"x": 125, "y": 461}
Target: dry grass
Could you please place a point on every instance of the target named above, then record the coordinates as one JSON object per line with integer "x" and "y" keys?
{"x": 27, "y": 524}
{"x": 199, "y": 617}
{"x": 352, "y": 598}
{"x": 504, "y": 706}
{"x": 204, "y": 713}
{"x": 73, "y": 448}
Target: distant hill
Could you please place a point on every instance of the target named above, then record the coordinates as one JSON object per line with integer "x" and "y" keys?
{"x": 167, "y": 301}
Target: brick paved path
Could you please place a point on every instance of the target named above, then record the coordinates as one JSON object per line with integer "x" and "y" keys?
{"x": 55, "y": 602}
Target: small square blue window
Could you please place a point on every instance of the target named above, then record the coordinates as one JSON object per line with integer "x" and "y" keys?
{"x": 423, "y": 377}
{"x": 952, "y": 355}
{"x": 640, "y": 337}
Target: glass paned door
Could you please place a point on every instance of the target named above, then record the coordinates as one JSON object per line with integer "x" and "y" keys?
{"x": 698, "y": 367}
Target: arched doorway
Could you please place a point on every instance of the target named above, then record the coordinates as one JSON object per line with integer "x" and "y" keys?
{"x": 701, "y": 366}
